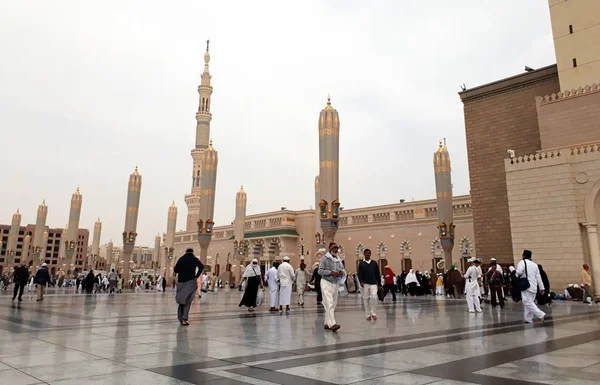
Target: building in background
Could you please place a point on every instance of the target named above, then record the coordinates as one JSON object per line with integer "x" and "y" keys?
{"x": 534, "y": 158}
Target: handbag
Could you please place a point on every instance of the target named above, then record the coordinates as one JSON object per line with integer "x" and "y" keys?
{"x": 523, "y": 282}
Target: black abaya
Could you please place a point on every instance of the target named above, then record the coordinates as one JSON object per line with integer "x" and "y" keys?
{"x": 249, "y": 297}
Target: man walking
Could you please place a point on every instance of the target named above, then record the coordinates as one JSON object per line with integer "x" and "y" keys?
{"x": 495, "y": 282}
{"x": 388, "y": 282}
{"x": 286, "y": 275}
{"x": 112, "y": 281}
{"x": 370, "y": 283}
{"x": 20, "y": 278}
{"x": 331, "y": 270}
{"x": 273, "y": 284}
{"x": 529, "y": 270}
{"x": 42, "y": 277}
{"x": 586, "y": 285}
{"x": 301, "y": 279}
{"x": 188, "y": 268}
{"x": 472, "y": 286}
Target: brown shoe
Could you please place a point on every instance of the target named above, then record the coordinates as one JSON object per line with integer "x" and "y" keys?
{"x": 326, "y": 327}
{"x": 335, "y": 328}
{"x": 374, "y": 317}
{"x": 369, "y": 318}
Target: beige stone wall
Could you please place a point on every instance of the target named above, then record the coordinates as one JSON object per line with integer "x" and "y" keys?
{"x": 570, "y": 118}
{"x": 576, "y": 31}
{"x": 546, "y": 194}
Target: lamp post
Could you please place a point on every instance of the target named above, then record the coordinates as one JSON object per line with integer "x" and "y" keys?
{"x": 241, "y": 251}
{"x": 69, "y": 251}
{"x": 329, "y": 215}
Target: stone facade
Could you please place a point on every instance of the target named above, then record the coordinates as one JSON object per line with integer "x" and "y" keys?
{"x": 403, "y": 235}
{"x": 569, "y": 118}
{"x": 500, "y": 116}
{"x": 547, "y": 192}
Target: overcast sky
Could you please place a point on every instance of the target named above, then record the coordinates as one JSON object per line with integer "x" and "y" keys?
{"x": 90, "y": 89}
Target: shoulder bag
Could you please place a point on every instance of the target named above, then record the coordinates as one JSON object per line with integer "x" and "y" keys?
{"x": 523, "y": 282}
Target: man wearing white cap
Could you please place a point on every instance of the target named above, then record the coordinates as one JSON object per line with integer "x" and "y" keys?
{"x": 42, "y": 277}
{"x": 472, "y": 286}
{"x": 286, "y": 275}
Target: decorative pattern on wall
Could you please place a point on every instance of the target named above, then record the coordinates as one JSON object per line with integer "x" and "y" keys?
{"x": 360, "y": 247}
{"x": 465, "y": 247}
{"x": 405, "y": 249}
{"x": 436, "y": 248}
{"x": 382, "y": 249}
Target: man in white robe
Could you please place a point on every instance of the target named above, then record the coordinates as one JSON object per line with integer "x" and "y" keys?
{"x": 287, "y": 275}
{"x": 472, "y": 286}
{"x": 273, "y": 284}
{"x": 301, "y": 279}
{"x": 529, "y": 269}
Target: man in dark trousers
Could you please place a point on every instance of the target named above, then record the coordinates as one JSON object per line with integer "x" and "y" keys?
{"x": 370, "y": 283}
{"x": 20, "y": 278}
{"x": 188, "y": 268}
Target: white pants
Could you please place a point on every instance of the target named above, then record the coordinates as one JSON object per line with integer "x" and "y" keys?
{"x": 369, "y": 295}
{"x": 274, "y": 297}
{"x": 300, "y": 287}
{"x": 472, "y": 292}
{"x": 530, "y": 309}
{"x": 285, "y": 295}
{"x": 439, "y": 290}
{"x": 330, "y": 297}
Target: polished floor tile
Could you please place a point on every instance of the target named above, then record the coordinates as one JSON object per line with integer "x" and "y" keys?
{"x": 16, "y": 377}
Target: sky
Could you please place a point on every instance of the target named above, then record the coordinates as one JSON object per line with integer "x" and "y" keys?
{"x": 90, "y": 89}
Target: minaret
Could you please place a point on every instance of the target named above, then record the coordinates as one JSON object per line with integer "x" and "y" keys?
{"x": 44, "y": 247}
{"x": 156, "y": 255}
{"x": 329, "y": 172}
{"x": 110, "y": 262}
{"x": 92, "y": 263}
{"x": 208, "y": 185}
{"x": 317, "y": 211}
{"x": 443, "y": 187}
{"x": 73, "y": 228}
{"x": 25, "y": 251}
{"x": 169, "y": 242}
{"x": 134, "y": 190}
{"x": 39, "y": 247}
{"x": 240, "y": 244}
{"x": 203, "y": 118}
{"x": 13, "y": 234}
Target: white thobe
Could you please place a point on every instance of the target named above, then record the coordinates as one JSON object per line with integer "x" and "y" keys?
{"x": 273, "y": 283}
{"x": 301, "y": 276}
{"x": 528, "y": 296}
{"x": 286, "y": 274}
{"x": 472, "y": 289}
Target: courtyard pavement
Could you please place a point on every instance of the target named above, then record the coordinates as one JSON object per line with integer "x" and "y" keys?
{"x": 70, "y": 339}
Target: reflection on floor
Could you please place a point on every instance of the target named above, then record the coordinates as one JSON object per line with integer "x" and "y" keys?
{"x": 136, "y": 339}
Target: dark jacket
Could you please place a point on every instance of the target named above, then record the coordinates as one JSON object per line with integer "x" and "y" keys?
{"x": 185, "y": 268}
{"x": 42, "y": 277}
{"x": 369, "y": 273}
{"x": 21, "y": 275}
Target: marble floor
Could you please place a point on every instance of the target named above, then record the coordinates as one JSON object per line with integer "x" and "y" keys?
{"x": 70, "y": 339}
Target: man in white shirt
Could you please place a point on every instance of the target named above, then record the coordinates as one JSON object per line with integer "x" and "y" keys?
{"x": 529, "y": 269}
{"x": 301, "y": 279}
{"x": 287, "y": 275}
{"x": 472, "y": 286}
{"x": 273, "y": 284}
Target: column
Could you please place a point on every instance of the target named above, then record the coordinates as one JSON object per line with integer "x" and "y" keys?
{"x": 592, "y": 233}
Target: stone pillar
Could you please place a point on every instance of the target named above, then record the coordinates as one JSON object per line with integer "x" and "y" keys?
{"x": 13, "y": 235}
{"x": 95, "y": 255}
{"x": 134, "y": 190}
{"x": 110, "y": 261}
{"x": 329, "y": 173}
{"x": 445, "y": 208}
{"x": 39, "y": 246}
{"x": 25, "y": 252}
{"x": 208, "y": 184}
{"x": 156, "y": 255}
{"x": 240, "y": 231}
{"x": 592, "y": 233}
{"x": 73, "y": 228}
{"x": 169, "y": 242}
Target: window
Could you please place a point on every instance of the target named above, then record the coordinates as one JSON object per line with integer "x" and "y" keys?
{"x": 18, "y": 253}
{"x": 19, "y": 239}
{"x": 21, "y": 232}
{"x": 574, "y": 62}
{"x": 570, "y": 28}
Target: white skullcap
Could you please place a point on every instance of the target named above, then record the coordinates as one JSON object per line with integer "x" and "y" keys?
{"x": 492, "y": 259}
{"x": 286, "y": 258}
{"x": 255, "y": 260}
{"x": 471, "y": 259}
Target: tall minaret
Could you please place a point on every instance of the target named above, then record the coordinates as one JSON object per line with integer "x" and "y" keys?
{"x": 39, "y": 247}
{"x": 208, "y": 185}
{"x": 239, "y": 231}
{"x": 317, "y": 211}
{"x": 25, "y": 251}
{"x": 169, "y": 242}
{"x": 156, "y": 254}
{"x": 134, "y": 190}
{"x": 329, "y": 172}
{"x": 44, "y": 247}
{"x": 443, "y": 187}
{"x": 203, "y": 118}
{"x": 13, "y": 234}
{"x": 95, "y": 245}
{"x": 110, "y": 262}
{"x": 73, "y": 228}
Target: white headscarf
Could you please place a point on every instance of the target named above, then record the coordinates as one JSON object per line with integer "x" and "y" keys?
{"x": 252, "y": 270}
{"x": 410, "y": 278}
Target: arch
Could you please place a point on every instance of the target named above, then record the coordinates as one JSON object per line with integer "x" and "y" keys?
{"x": 274, "y": 249}
{"x": 360, "y": 247}
{"x": 382, "y": 249}
{"x": 436, "y": 248}
{"x": 590, "y": 198}
{"x": 465, "y": 246}
{"x": 405, "y": 249}
{"x": 341, "y": 251}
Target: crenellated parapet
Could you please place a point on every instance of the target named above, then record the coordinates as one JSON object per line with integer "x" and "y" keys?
{"x": 553, "y": 157}
{"x": 574, "y": 93}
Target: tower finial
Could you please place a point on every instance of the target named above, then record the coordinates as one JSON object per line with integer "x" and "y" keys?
{"x": 444, "y": 142}
{"x": 206, "y": 56}
{"x": 207, "y": 43}
{"x": 329, "y": 100}
{"x": 210, "y": 143}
